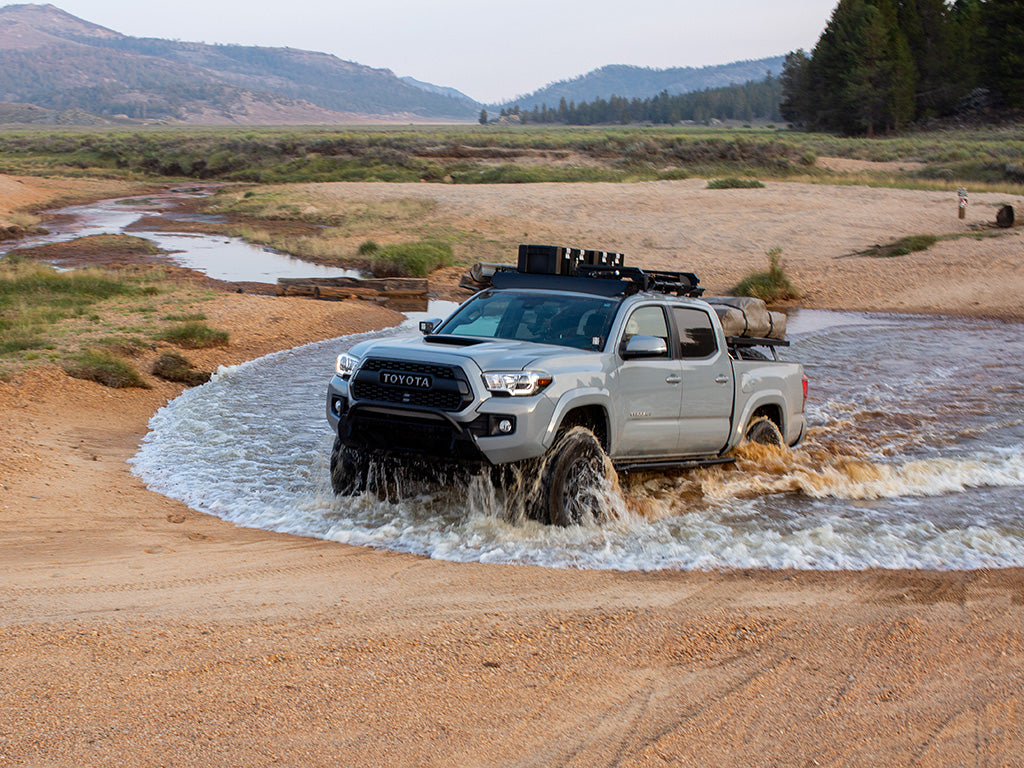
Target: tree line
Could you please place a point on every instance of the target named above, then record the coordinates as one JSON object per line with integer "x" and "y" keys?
{"x": 881, "y": 65}
{"x": 748, "y": 101}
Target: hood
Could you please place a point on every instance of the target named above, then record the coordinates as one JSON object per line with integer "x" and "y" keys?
{"x": 497, "y": 355}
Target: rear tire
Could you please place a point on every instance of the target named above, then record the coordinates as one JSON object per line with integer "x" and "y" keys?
{"x": 349, "y": 469}
{"x": 574, "y": 480}
{"x": 763, "y": 431}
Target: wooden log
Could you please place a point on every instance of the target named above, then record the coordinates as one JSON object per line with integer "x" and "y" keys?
{"x": 380, "y": 284}
{"x": 403, "y": 294}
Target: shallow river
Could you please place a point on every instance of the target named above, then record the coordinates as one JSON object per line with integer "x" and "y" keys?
{"x": 220, "y": 257}
{"x": 915, "y": 459}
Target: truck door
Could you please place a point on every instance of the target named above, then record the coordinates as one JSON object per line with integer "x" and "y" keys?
{"x": 707, "y": 383}
{"x": 650, "y": 390}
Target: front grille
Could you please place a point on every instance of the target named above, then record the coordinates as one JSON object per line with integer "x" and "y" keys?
{"x": 424, "y": 398}
{"x": 408, "y": 366}
{"x": 449, "y": 388}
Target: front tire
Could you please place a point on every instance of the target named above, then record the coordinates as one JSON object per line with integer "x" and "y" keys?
{"x": 575, "y": 479}
{"x": 349, "y": 469}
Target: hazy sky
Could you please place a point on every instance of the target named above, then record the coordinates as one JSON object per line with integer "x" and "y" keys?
{"x": 488, "y": 50}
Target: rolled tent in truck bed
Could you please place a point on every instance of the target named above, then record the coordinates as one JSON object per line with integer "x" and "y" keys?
{"x": 747, "y": 316}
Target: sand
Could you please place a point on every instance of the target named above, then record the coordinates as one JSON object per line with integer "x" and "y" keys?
{"x": 134, "y": 631}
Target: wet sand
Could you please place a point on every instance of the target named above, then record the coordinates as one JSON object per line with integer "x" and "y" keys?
{"x": 136, "y": 631}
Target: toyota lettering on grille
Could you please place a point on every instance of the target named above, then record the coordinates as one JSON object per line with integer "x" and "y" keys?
{"x": 413, "y": 380}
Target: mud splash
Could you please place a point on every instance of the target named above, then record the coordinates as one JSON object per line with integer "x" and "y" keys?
{"x": 915, "y": 459}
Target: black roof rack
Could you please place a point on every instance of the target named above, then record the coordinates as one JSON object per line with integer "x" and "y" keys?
{"x": 510, "y": 277}
{"x": 582, "y": 270}
{"x": 658, "y": 281}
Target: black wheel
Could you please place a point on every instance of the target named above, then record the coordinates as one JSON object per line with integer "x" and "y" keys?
{"x": 349, "y": 469}
{"x": 763, "y": 431}
{"x": 575, "y": 477}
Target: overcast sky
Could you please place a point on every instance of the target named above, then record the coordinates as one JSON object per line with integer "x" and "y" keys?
{"x": 491, "y": 51}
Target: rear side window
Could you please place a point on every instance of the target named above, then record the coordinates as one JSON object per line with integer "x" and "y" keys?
{"x": 696, "y": 334}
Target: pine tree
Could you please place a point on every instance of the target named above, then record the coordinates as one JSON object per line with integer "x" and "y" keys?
{"x": 1003, "y": 62}
{"x": 795, "y": 79}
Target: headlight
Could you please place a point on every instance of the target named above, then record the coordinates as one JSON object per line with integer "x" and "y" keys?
{"x": 516, "y": 383}
{"x": 346, "y": 365}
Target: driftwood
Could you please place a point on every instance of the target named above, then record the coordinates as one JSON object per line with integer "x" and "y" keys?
{"x": 403, "y": 294}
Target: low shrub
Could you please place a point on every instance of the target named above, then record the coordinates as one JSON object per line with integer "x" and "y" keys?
{"x": 194, "y": 335}
{"x": 734, "y": 183}
{"x": 174, "y": 367}
{"x": 772, "y": 286}
{"x": 411, "y": 259}
{"x": 368, "y": 248}
{"x": 105, "y": 368}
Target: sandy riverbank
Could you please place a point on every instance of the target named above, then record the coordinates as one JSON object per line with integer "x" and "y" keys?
{"x": 136, "y": 631}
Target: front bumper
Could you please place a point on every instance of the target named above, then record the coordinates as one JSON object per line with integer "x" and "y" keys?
{"x": 471, "y": 435}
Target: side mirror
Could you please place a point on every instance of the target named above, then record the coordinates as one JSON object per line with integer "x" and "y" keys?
{"x": 428, "y": 326}
{"x": 644, "y": 346}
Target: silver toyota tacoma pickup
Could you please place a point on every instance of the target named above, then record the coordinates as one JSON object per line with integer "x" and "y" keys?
{"x": 571, "y": 366}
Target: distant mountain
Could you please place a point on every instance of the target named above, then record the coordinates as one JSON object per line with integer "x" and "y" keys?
{"x": 643, "y": 82}
{"x": 53, "y": 60}
{"x": 442, "y": 89}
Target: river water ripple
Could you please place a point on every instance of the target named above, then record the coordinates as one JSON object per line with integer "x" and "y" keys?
{"x": 915, "y": 459}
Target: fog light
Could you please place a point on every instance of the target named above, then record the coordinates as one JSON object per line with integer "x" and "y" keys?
{"x": 338, "y": 406}
{"x": 498, "y": 425}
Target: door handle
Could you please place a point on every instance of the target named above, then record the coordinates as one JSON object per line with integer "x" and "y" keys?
{"x": 722, "y": 379}
{"x": 673, "y": 379}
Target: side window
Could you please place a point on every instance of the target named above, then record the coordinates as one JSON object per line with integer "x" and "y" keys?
{"x": 696, "y": 334}
{"x": 646, "y": 321}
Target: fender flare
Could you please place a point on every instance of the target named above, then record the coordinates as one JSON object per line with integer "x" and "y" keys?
{"x": 773, "y": 398}
{"x": 578, "y": 398}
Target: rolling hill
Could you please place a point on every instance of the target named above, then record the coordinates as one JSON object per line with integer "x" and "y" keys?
{"x": 58, "y": 69}
{"x": 643, "y": 82}
{"x": 56, "y": 61}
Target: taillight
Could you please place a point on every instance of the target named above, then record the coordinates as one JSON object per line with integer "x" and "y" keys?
{"x": 802, "y": 407}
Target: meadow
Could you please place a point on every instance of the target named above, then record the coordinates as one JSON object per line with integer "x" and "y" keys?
{"x": 473, "y": 154}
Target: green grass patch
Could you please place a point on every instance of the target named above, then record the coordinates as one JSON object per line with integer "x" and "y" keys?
{"x": 34, "y": 297}
{"x": 771, "y": 286}
{"x": 106, "y": 368}
{"x": 907, "y": 245}
{"x": 194, "y": 335}
{"x": 732, "y": 182}
{"x": 411, "y": 259}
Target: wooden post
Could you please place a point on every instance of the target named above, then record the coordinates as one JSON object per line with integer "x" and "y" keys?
{"x": 962, "y": 195}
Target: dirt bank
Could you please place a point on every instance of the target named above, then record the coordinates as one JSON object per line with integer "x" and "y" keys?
{"x": 723, "y": 235}
{"x": 134, "y": 631}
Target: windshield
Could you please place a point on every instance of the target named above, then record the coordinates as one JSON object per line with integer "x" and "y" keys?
{"x": 568, "y": 320}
